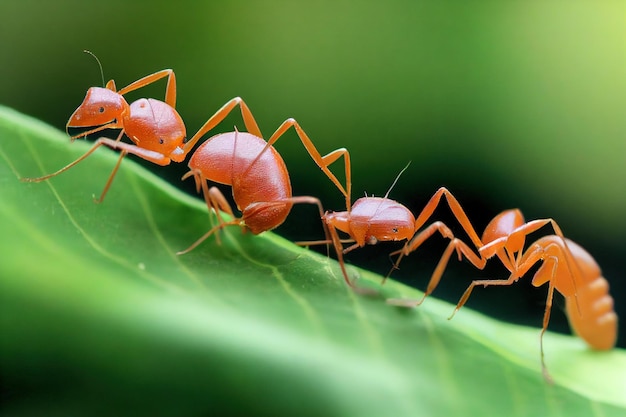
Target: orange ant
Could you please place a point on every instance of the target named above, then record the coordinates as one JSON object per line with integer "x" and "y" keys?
{"x": 374, "y": 219}
{"x": 257, "y": 174}
{"x": 155, "y": 127}
{"x": 566, "y": 267}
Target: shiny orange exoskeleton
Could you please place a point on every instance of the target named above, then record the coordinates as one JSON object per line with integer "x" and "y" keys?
{"x": 590, "y": 311}
{"x": 376, "y": 219}
{"x": 155, "y": 127}
{"x": 566, "y": 267}
{"x": 257, "y": 174}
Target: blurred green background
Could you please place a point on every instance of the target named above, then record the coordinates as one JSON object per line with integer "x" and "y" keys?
{"x": 506, "y": 103}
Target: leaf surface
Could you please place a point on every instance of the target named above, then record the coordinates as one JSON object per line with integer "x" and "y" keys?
{"x": 99, "y": 316}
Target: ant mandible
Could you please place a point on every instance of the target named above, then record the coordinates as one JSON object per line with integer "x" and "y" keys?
{"x": 257, "y": 174}
{"x": 156, "y": 129}
{"x": 566, "y": 267}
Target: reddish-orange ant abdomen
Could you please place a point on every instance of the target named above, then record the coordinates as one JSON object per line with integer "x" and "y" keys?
{"x": 155, "y": 127}
{"x": 590, "y": 309}
{"x": 256, "y": 172}
{"x": 227, "y": 159}
{"x": 565, "y": 267}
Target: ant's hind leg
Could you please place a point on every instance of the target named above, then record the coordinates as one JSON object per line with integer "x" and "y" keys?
{"x": 216, "y": 202}
{"x": 170, "y": 89}
{"x": 219, "y": 116}
{"x": 323, "y": 162}
{"x": 461, "y": 249}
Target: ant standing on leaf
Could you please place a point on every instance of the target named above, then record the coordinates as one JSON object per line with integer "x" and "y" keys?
{"x": 156, "y": 129}
{"x": 376, "y": 219}
{"x": 262, "y": 191}
{"x": 566, "y": 267}
{"x": 257, "y": 174}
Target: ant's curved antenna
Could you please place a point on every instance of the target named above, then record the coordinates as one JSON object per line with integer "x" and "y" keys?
{"x": 99, "y": 65}
{"x": 396, "y": 180}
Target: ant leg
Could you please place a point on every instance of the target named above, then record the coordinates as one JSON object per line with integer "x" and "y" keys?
{"x": 320, "y": 242}
{"x": 110, "y": 180}
{"x": 211, "y": 231}
{"x": 170, "y": 90}
{"x": 196, "y": 176}
{"x": 546, "y": 318}
{"x": 220, "y": 205}
{"x": 457, "y": 210}
{"x": 417, "y": 240}
{"x": 351, "y": 247}
{"x": 499, "y": 247}
{"x": 515, "y": 240}
{"x": 334, "y": 239}
{"x": 254, "y": 208}
{"x": 489, "y": 250}
{"x": 215, "y": 201}
{"x": 114, "y": 144}
{"x": 318, "y": 203}
{"x": 337, "y": 243}
{"x": 150, "y": 156}
{"x": 328, "y": 228}
{"x": 322, "y": 161}
{"x": 535, "y": 225}
{"x": 552, "y": 252}
{"x": 461, "y": 249}
{"x": 95, "y": 146}
{"x": 220, "y": 115}
{"x": 339, "y": 249}
{"x": 512, "y": 278}
{"x": 533, "y": 255}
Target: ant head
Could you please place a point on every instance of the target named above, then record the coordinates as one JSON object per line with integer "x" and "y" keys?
{"x": 100, "y": 106}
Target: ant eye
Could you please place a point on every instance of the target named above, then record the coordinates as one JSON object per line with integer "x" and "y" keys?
{"x": 395, "y": 230}
{"x": 101, "y": 109}
{"x": 161, "y": 141}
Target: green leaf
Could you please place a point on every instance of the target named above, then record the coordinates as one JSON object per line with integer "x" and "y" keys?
{"x": 100, "y": 317}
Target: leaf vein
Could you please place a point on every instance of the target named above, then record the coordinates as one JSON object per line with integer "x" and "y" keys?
{"x": 92, "y": 242}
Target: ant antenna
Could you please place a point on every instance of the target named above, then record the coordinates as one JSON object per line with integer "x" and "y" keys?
{"x": 99, "y": 65}
{"x": 397, "y": 178}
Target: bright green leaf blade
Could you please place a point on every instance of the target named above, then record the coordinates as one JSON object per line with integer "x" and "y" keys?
{"x": 98, "y": 315}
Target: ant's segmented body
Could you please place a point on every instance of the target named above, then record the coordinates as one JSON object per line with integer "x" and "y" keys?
{"x": 566, "y": 267}
{"x": 257, "y": 174}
